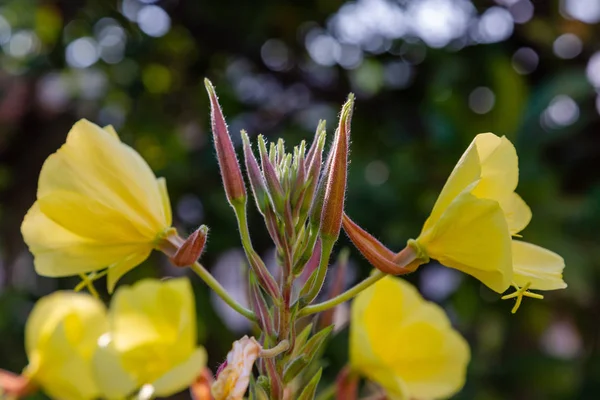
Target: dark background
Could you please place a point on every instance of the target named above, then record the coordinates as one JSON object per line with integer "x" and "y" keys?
{"x": 428, "y": 74}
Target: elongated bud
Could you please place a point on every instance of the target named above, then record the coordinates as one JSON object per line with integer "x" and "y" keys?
{"x": 346, "y": 385}
{"x": 270, "y": 174}
{"x": 260, "y": 307}
{"x": 380, "y": 256}
{"x": 315, "y": 162}
{"x": 228, "y": 163}
{"x": 333, "y": 202}
{"x": 15, "y": 386}
{"x": 191, "y": 249}
{"x": 257, "y": 182}
{"x": 263, "y": 275}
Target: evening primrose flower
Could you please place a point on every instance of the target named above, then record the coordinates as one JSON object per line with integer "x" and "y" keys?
{"x": 60, "y": 338}
{"x": 475, "y": 216}
{"x": 151, "y": 344}
{"x": 233, "y": 379}
{"x": 405, "y": 343}
{"x": 98, "y": 205}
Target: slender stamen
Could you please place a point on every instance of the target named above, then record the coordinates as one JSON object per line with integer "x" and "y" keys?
{"x": 519, "y": 293}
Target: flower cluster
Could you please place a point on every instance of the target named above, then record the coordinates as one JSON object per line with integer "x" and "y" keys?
{"x": 145, "y": 342}
{"x": 100, "y": 211}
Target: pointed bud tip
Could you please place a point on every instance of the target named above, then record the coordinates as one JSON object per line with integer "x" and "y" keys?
{"x": 191, "y": 249}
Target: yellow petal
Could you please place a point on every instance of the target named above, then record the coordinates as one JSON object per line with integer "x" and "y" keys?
{"x": 61, "y": 335}
{"x": 182, "y": 375}
{"x": 517, "y": 213}
{"x": 89, "y": 218}
{"x": 166, "y": 202}
{"x": 405, "y": 343}
{"x": 117, "y": 270}
{"x": 113, "y": 381}
{"x": 499, "y": 166}
{"x": 153, "y": 326}
{"x": 59, "y": 252}
{"x": 535, "y": 264}
{"x": 111, "y": 130}
{"x": 95, "y": 164}
{"x": 472, "y": 236}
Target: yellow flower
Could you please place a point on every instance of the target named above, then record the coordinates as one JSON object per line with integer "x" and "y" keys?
{"x": 232, "y": 381}
{"x": 475, "y": 216}
{"x": 98, "y": 205}
{"x": 60, "y": 338}
{"x": 152, "y": 340}
{"x": 406, "y": 344}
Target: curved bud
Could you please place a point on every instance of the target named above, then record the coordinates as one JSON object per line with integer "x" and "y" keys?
{"x": 228, "y": 163}
{"x": 380, "y": 256}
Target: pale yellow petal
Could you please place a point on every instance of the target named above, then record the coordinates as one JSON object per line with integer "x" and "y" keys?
{"x": 117, "y": 270}
{"x": 153, "y": 326}
{"x": 89, "y": 218}
{"x": 113, "y": 381}
{"x": 59, "y": 252}
{"x": 61, "y": 335}
{"x": 52, "y": 309}
{"x": 499, "y": 167}
{"x": 95, "y": 164}
{"x": 540, "y": 266}
{"x": 472, "y": 236}
{"x": 181, "y": 376}
{"x": 166, "y": 202}
{"x": 405, "y": 343}
{"x": 449, "y": 376}
{"x": 517, "y": 213}
{"x": 111, "y": 130}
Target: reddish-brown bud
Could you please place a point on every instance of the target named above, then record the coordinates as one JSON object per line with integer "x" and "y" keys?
{"x": 335, "y": 192}
{"x": 346, "y": 385}
{"x": 200, "y": 389}
{"x": 15, "y": 386}
{"x": 378, "y": 255}
{"x": 228, "y": 163}
{"x": 191, "y": 249}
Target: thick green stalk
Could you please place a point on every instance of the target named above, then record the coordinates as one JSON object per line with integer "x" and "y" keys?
{"x": 341, "y": 298}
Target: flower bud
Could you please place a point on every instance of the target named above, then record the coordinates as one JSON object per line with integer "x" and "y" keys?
{"x": 380, "y": 256}
{"x": 191, "y": 249}
{"x": 232, "y": 381}
{"x": 270, "y": 174}
{"x": 228, "y": 163}
{"x": 257, "y": 182}
{"x": 333, "y": 202}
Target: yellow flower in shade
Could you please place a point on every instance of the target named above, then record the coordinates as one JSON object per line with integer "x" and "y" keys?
{"x": 151, "y": 345}
{"x": 406, "y": 344}
{"x": 60, "y": 339}
{"x": 98, "y": 205}
{"x": 475, "y": 216}
{"x": 233, "y": 379}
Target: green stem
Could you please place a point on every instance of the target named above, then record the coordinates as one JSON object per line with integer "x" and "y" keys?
{"x": 347, "y": 295}
{"x": 284, "y": 345}
{"x": 220, "y": 291}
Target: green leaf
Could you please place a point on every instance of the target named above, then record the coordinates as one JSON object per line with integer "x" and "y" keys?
{"x": 311, "y": 388}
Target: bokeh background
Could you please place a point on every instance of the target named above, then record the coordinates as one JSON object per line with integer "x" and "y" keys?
{"x": 428, "y": 75}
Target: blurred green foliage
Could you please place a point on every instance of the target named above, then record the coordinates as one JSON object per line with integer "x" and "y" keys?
{"x": 418, "y": 107}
